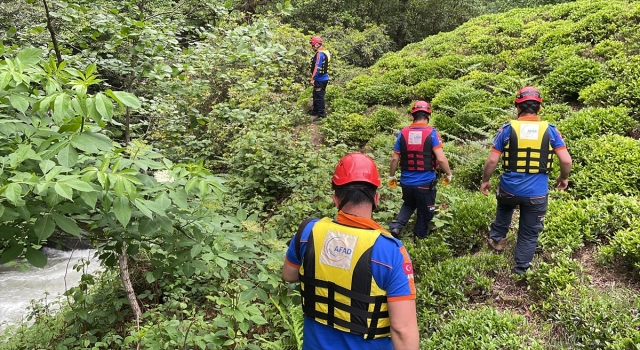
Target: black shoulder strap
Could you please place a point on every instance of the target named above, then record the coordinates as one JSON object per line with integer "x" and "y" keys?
{"x": 299, "y": 235}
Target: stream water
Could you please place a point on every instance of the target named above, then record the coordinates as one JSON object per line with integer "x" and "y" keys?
{"x": 18, "y": 287}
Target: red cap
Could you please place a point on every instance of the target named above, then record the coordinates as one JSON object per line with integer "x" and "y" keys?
{"x": 421, "y": 106}
{"x": 528, "y": 93}
{"x": 356, "y": 167}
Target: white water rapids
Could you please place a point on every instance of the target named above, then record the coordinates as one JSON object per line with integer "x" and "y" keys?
{"x": 18, "y": 287}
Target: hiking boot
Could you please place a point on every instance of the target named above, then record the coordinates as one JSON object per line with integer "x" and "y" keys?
{"x": 316, "y": 119}
{"x": 518, "y": 271}
{"x": 395, "y": 232}
{"x": 497, "y": 245}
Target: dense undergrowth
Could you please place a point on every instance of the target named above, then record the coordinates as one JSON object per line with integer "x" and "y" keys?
{"x": 584, "y": 288}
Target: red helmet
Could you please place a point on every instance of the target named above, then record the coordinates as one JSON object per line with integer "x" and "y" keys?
{"x": 528, "y": 93}
{"x": 356, "y": 167}
{"x": 315, "y": 40}
{"x": 421, "y": 106}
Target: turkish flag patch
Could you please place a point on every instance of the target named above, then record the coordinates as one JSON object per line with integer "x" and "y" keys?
{"x": 407, "y": 268}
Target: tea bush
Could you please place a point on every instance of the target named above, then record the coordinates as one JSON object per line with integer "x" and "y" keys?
{"x": 608, "y": 164}
{"x": 595, "y": 319}
{"x": 352, "y": 129}
{"x": 555, "y": 112}
{"x": 469, "y": 215}
{"x": 594, "y": 122}
{"x": 571, "y": 76}
{"x": 427, "y": 90}
{"x": 547, "y": 279}
{"x": 624, "y": 247}
{"x": 448, "y": 284}
{"x": 385, "y": 120}
{"x": 467, "y": 162}
{"x": 571, "y": 223}
{"x": 485, "y": 328}
{"x": 346, "y": 106}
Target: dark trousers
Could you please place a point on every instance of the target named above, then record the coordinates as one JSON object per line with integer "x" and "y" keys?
{"x": 319, "y": 88}
{"x": 421, "y": 199}
{"x": 532, "y": 212}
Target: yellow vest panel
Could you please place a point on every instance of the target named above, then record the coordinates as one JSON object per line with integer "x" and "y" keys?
{"x": 338, "y": 288}
{"x": 529, "y": 149}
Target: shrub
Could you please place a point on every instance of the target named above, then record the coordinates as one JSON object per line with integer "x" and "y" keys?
{"x": 427, "y": 90}
{"x": 351, "y": 129}
{"x": 571, "y": 76}
{"x": 595, "y": 319}
{"x": 486, "y": 328}
{"x": 593, "y": 122}
{"x": 624, "y": 247}
{"x": 345, "y": 106}
{"x": 358, "y": 47}
{"x": 600, "y": 93}
{"x": 609, "y": 164}
{"x": 555, "y": 112}
{"x": 546, "y": 279}
{"x": 447, "y": 284}
{"x": 468, "y": 215}
{"x": 385, "y": 120}
{"x": 467, "y": 161}
{"x": 569, "y": 223}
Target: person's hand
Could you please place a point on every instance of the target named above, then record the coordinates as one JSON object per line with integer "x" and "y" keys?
{"x": 447, "y": 179}
{"x": 313, "y": 82}
{"x": 485, "y": 187}
{"x": 393, "y": 182}
{"x": 561, "y": 184}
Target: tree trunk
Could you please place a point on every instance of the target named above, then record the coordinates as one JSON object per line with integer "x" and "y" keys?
{"x": 128, "y": 287}
{"x": 54, "y": 40}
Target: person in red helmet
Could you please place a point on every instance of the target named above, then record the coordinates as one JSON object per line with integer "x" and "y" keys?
{"x": 527, "y": 146}
{"x": 319, "y": 77}
{"x": 418, "y": 151}
{"x": 356, "y": 280}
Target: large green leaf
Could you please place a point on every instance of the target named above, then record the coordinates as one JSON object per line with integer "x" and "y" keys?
{"x": 13, "y": 193}
{"x": 79, "y": 185}
{"x": 91, "y": 142}
{"x": 5, "y": 78}
{"x": 64, "y": 190}
{"x": 46, "y": 165}
{"x": 125, "y": 98}
{"x": 30, "y": 56}
{"x": 19, "y": 102}
{"x": 90, "y": 198}
{"x": 44, "y": 227}
{"x": 36, "y": 257}
{"x": 61, "y": 107}
{"x": 104, "y": 106}
{"x": 122, "y": 209}
{"x": 68, "y": 156}
{"x": 11, "y": 253}
{"x": 66, "y": 224}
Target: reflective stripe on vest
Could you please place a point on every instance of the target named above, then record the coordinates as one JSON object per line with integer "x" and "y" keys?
{"x": 415, "y": 150}
{"x": 338, "y": 288}
{"x": 325, "y": 64}
{"x": 529, "y": 149}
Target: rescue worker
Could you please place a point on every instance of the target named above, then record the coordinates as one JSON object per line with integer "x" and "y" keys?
{"x": 319, "y": 77}
{"x": 418, "y": 150}
{"x": 357, "y": 281}
{"x": 527, "y": 146}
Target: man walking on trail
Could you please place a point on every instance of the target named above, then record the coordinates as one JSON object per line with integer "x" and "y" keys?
{"x": 527, "y": 146}
{"x": 319, "y": 77}
{"x": 418, "y": 150}
{"x": 356, "y": 280}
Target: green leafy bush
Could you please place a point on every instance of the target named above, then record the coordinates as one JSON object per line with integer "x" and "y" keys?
{"x": 385, "y": 120}
{"x": 571, "y": 76}
{"x": 351, "y": 129}
{"x": 594, "y": 122}
{"x": 608, "y": 164}
{"x": 571, "y": 223}
{"x": 427, "y": 90}
{"x": 547, "y": 279}
{"x": 485, "y": 328}
{"x": 467, "y": 161}
{"x": 595, "y": 319}
{"x": 468, "y": 215}
{"x": 358, "y": 47}
{"x": 624, "y": 246}
{"x": 346, "y": 106}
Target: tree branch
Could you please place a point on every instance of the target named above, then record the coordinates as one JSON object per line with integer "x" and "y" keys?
{"x": 54, "y": 40}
